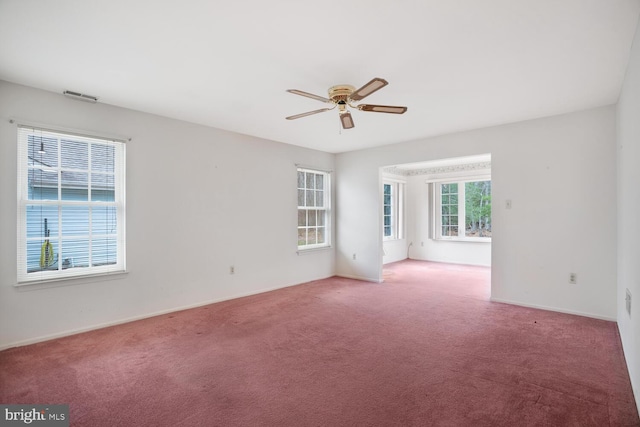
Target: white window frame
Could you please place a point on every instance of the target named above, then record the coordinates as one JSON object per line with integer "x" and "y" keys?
{"x": 397, "y": 209}
{"x": 437, "y": 210}
{"x": 63, "y": 272}
{"x": 325, "y": 208}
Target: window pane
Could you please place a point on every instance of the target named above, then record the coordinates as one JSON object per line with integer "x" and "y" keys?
{"x": 387, "y": 220}
{"x": 103, "y": 188}
{"x": 453, "y": 199}
{"x": 478, "y": 209}
{"x": 103, "y": 158}
{"x": 310, "y": 198}
{"x": 319, "y": 198}
{"x": 387, "y": 231}
{"x": 311, "y": 218}
{"x": 43, "y": 185}
{"x": 300, "y": 179}
{"x": 36, "y": 216}
{"x": 387, "y": 210}
{"x": 310, "y": 181}
{"x": 387, "y": 189}
{"x": 50, "y": 156}
{"x": 320, "y": 218}
{"x": 319, "y": 182}
{"x": 320, "y": 235}
{"x": 302, "y": 217}
{"x": 75, "y": 252}
{"x": 75, "y": 220}
{"x": 300, "y": 197}
{"x": 42, "y": 255}
{"x": 103, "y": 220}
{"x": 311, "y": 236}
{"x": 302, "y": 236}
{"x": 74, "y": 154}
{"x": 445, "y": 200}
{"x": 75, "y": 186}
{"x": 387, "y": 199}
{"x": 103, "y": 252}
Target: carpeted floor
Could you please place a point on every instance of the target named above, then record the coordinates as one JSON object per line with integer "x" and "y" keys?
{"x": 425, "y": 348}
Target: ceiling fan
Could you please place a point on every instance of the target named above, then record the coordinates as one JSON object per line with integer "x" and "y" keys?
{"x": 342, "y": 96}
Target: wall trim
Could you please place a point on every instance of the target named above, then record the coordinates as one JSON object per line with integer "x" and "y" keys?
{"x": 556, "y": 309}
{"x": 71, "y": 332}
{"x": 636, "y": 392}
{"x": 364, "y": 279}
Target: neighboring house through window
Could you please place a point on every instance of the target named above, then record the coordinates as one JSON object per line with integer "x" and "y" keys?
{"x": 314, "y": 198}
{"x": 71, "y": 211}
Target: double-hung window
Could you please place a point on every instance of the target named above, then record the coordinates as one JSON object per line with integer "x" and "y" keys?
{"x": 463, "y": 210}
{"x": 314, "y": 198}
{"x": 392, "y": 210}
{"x": 71, "y": 210}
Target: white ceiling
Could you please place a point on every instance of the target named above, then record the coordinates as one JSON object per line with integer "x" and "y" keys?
{"x": 457, "y": 65}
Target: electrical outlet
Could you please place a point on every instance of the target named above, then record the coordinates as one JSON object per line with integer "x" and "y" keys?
{"x": 627, "y": 301}
{"x": 354, "y": 256}
{"x": 573, "y": 278}
{"x": 232, "y": 270}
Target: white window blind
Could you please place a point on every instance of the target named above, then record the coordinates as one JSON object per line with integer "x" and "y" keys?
{"x": 71, "y": 205}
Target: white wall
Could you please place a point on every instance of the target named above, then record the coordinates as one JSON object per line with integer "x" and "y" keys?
{"x": 629, "y": 215}
{"x": 559, "y": 173}
{"x": 426, "y": 249}
{"x": 233, "y": 203}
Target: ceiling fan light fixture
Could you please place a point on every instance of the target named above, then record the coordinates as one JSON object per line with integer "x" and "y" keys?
{"x": 346, "y": 120}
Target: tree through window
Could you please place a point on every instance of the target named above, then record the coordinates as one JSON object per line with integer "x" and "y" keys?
{"x": 464, "y": 203}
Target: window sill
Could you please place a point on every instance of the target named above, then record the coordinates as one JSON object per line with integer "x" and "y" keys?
{"x": 69, "y": 281}
{"x": 464, "y": 239}
{"x": 305, "y": 251}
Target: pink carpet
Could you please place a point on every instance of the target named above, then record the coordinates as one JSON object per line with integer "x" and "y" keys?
{"x": 425, "y": 348}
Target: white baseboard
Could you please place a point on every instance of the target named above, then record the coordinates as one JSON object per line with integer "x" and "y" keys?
{"x": 634, "y": 387}
{"x": 556, "y": 309}
{"x": 364, "y": 279}
{"x": 143, "y": 316}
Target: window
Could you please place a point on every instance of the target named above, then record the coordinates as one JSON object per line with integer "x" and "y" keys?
{"x": 70, "y": 205}
{"x": 392, "y": 210}
{"x": 464, "y": 210}
{"x": 314, "y": 196}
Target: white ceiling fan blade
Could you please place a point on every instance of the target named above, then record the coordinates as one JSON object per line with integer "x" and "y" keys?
{"x": 308, "y": 95}
{"x": 346, "y": 120}
{"x": 308, "y": 113}
{"x": 382, "y": 108}
{"x": 366, "y": 90}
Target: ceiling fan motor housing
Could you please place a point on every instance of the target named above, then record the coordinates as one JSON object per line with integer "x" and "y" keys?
{"x": 340, "y": 93}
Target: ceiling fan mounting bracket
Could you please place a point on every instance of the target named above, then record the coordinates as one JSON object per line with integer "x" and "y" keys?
{"x": 340, "y": 93}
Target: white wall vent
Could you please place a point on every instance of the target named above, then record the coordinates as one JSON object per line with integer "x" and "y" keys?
{"x": 80, "y": 96}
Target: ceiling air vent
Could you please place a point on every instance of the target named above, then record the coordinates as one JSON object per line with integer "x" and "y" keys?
{"x": 81, "y": 96}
